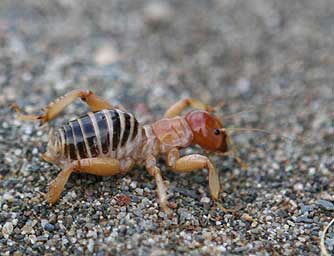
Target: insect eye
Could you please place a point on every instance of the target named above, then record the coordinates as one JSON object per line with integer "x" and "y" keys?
{"x": 216, "y": 131}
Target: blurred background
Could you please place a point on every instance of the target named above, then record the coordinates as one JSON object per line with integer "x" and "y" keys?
{"x": 273, "y": 57}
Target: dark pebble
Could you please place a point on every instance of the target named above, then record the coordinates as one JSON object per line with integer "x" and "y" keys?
{"x": 326, "y": 205}
{"x": 49, "y": 227}
{"x": 305, "y": 208}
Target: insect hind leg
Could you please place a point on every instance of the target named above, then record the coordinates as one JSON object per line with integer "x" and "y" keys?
{"x": 179, "y": 106}
{"x": 58, "y": 105}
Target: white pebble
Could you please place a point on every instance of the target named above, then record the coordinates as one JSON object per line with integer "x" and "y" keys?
{"x": 43, "y": 222}
{"x": 5, "y": 125}
{"x": 18, "y": 152}
{"x": 205, "y": 200}
{"x": 90, "y": 245}
{"x": 35, "y": 151}
{"x": 7, "y": 229}
{"x": 139, "y": 191}
{"x": 298, "y": 187}
{"x": 311, "y": 171}
{"x": 91, "y": 233}
{"x": 158, "y": 12}
{"x": 106, "y": 55}
{"x": 133, "y": 184}
{"x": 32, "y": 238}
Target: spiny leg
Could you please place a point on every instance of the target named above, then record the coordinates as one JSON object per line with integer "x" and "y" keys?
{"x": 54, "y": 108}
{"x": 97, "y": 166}
{"x": 193, "y": 162}
{"x": 179, "y": 106}
{"x": 154, "y": 171}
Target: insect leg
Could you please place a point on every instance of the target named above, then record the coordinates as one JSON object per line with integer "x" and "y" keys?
{"x": 57, "y": 185}
{"x": 179, "y": 106}
{"x": 193, "y": 162}
{"x": 97, "y": 166}
{"x": 161, "y": 188}
{"x": 54, "y": 108}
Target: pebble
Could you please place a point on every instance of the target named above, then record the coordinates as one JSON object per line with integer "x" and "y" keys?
{"x": 205, "y": 200}
{"x": 8, "y": 197}
{"x": 139, "y": 191}
{"x": 7, "y": 229}
{"x": 49, "y": 227}
{"x": 18, "y": 152}
{"x": 298, "y": 187}
{"x": 247, "y": 217}
{"x": 133, "y": 184}
{"x": 106, "y": 55}
{"x": 304, "y": 219}
{"x": 158, "y": 12}
{"x": 27, "y": 229}
{"x": 326, "y": 205}
{"x": 92, "y": 233}
{"x": 32, "y": 239}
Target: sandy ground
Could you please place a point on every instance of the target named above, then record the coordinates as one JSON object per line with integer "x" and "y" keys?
{"x": 274, "y": 58}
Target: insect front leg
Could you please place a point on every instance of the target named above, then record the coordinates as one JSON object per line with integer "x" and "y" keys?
{"x": 57, "y": 106}
{"x": 193, "y": 162}
{"x": 154, "y": 171}
{"x": 179, "y": 106}
{"x": 96, "y": 166}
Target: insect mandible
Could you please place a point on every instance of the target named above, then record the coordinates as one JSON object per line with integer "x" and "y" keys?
{"x": 109, "y": 141}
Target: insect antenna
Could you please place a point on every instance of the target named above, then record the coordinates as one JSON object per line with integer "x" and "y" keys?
{"x": 268, "y": 102}
{"x": 258, "y": 130}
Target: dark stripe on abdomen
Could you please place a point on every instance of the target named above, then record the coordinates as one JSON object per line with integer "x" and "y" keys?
{"x": 116, "y": 123}
{"x": 89, "y": 133}
{"x": 79, "y": 139}
{"x": 70, "y": 147}
{"x": 135, "y": 129}
{"x": 103, "y": 131}
{"x": 127, "y": 128}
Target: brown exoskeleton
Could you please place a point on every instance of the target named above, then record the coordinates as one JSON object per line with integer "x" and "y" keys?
{"x": 108, "y": 141}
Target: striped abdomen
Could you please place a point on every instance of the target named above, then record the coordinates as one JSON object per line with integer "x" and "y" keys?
{"x": 112, "y": 133}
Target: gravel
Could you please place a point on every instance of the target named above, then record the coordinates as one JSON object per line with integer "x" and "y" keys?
{"x": 272, "y": 58}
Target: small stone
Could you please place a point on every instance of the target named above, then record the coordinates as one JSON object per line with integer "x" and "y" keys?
{"x": 205, "y": 200}
{"x": 91, "y": 245}
{"x": 247, "y": 217}
{"x": 327, "y": 205}
{"x": 304, "y": 219}
{"x": 18, "y": 152}
{"x": 34, "y": 151}
{"x": 32, "y": 239}
{"x": 27, "y": 229}
{"x": 139, "y": 191}
{"x": 8, "y": 197}
{"x": 158, "y": 13}
{"x": 133, "y": 184}
{"x": 312, "y": 171}
{"x": 106, "y": 55}
{"x": 7, "y": 229}
{"x": 298, "y": 187}
{"x": 305, "y": 208}
{"x": 92, "y": 233}
{"x": 49, "y": 227}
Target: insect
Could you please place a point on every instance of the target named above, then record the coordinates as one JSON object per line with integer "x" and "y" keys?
{"x": 109, "y": 140}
